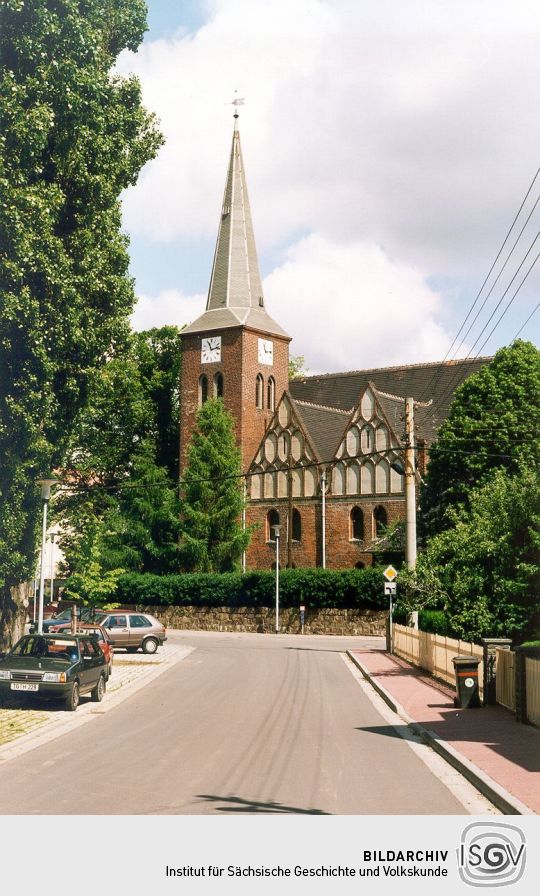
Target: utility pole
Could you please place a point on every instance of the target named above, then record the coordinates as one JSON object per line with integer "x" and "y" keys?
{"x": 290, "y": 511}
{"x": 410, "y": 486}
{"x": 410, "y": 495}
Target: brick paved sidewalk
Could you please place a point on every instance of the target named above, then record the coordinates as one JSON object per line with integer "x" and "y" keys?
{"x": 19, "y": 722}
{"x": 488, "y": 737}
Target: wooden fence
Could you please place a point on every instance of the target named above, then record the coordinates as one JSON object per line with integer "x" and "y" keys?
{"x": 532, "y": 689}
{"x": 434, "y": 653}
{"x": 506, "y": 679}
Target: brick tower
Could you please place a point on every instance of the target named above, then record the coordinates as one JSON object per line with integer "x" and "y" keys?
{"x": 234, "y": 350}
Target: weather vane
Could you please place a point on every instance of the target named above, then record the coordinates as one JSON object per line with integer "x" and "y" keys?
{"x": 237, "y": 101}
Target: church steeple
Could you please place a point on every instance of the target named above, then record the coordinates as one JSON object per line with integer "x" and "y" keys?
{"x": 235, "y": 296}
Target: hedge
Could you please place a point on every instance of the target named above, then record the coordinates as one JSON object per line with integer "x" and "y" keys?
{"x": 315, "y": 588}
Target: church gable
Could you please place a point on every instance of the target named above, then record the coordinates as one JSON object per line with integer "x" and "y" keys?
{"x": 286, "y": 450}
{"x": 368, "y": 448}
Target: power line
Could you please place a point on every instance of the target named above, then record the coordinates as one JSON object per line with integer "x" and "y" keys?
{"x": 436, "y": 376}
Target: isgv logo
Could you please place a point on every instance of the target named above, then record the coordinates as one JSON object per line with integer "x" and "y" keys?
{"x": 491, "y": 854}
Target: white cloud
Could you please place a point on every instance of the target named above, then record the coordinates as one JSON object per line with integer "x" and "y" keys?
{"x": 349, "y": 307}
{"x": 167, "y": 307}
{"x": 346, "y": 307}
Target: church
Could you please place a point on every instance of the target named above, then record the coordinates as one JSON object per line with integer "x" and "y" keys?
{"x": 322, "y": 456}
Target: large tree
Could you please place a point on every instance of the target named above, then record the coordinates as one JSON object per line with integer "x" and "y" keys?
{"x": 211, "y": 495}
{"x": 121, "y": 463}
{"x": 483, "y": 569}
{"x": 493, "y": 424}
{"x": 72, "y": 137}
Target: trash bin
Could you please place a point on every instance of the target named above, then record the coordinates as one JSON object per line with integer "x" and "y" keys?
{"x": 467, "y": 693}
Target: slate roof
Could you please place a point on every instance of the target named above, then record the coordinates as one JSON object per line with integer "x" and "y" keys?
{"x": 235, "y": 296}
{"x": 437, "y": 381}
{"x": 325, "y": 427}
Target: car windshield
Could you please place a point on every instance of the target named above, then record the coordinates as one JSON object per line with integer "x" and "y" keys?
{"x": 53, "y": 648}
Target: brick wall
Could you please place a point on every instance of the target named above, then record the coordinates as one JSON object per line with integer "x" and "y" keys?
{"x": 341, "y": 551}
{"x": 239, "y": 366}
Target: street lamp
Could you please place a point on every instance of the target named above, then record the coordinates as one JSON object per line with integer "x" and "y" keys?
{"x": 53, "y": 536}
{"x": 45, "y": 497}
{"x": 275, "y": 530}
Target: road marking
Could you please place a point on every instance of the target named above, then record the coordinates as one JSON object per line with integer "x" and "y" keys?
{"x": 472, "y": 801}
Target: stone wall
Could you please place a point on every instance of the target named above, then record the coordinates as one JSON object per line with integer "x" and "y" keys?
{"x": 262, "y": 619}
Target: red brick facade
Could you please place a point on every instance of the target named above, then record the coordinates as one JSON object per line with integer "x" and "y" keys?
{"x": 239, "y": 367}
{"x": 342, "y": 550}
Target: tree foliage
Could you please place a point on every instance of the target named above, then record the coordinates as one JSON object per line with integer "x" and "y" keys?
{"x": 122, "y": 496}
{"x": 72, "y": 137}
{"x": 493, "y": 424}
{"x": 212, "y": 501}
{"x": 483, "y": 570}
{"x": 297, "y": 367}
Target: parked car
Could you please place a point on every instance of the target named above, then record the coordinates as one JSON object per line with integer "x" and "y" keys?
{"x": 86, "y": 614}
{"x": 102, "y": 635}
{"x": 134, "y": 630}
{"x": 59, "y": 667}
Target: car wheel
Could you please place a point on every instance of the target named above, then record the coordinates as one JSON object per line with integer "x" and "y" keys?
{"x": 98, "y": 693}
{"x": 73, "y": 698}
{"x": 150, "y": 645}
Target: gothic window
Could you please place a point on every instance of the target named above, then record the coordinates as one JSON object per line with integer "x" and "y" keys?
{"x": 259, "y": 391}
{"x": 272, "y": 519}
{"x": 203, "y": 389}
{"x": 382, "y": 477}
{"x": 356, "y": 525}
{"x": 218, "y": 385}
{"x": 271, "y": 403}
{"x": 380, "y": 521}
{"x": 296, "y": 525}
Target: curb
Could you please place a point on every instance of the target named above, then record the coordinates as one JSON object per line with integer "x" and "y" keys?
{"x": 506, "y": 802}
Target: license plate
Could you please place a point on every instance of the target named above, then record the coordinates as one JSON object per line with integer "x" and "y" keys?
{"x": 24, "y": 686}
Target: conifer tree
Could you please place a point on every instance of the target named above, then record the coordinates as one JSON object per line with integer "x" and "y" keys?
{"x": 212, "y": 537}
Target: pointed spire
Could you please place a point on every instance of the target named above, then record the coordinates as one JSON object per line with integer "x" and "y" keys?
{"x": 235, "y": 295}
{"x": 236, "y": 280}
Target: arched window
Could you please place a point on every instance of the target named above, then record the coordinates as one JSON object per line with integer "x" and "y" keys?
{"x": 218, "y": 385}
{"x": 272, "y": 519}
{"x": 203, "y": 389}
{"x": 359, "y": 565}
{"x": 296, "y": 525}
{"x": 271, "y": 403}
{"x": 356, "y": 525}
{"x": 380, "y": 521}
{"x": 259, "y": 391}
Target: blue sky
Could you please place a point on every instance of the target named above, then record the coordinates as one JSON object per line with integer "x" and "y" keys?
{"x": 387, "y": 151}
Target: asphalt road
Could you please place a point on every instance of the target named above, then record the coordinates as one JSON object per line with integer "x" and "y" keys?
{"x": 244, "y": 724}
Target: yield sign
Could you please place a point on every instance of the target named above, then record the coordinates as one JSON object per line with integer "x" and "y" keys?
{"x": 390, "y": 573}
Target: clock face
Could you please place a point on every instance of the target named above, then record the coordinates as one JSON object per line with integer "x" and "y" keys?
{"x": 211, "y": 349}
{"x": 266, "y": 351}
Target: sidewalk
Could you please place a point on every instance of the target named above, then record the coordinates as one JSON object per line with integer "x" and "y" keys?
{"x": 22, "y": 727}
{"x": 497, "y": 754}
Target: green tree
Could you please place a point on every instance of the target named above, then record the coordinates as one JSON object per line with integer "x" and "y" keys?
{"x": 212, "y": 538}
{"x": 493, "y": 424}
{"x": 119, "y": 457}
{"x": 297, "y": 367}
{"x": 73, "y": 136}
{"x": 483, "y": 571}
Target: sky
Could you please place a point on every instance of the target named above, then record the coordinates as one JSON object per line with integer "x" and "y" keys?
{"x": 388, "y": 147}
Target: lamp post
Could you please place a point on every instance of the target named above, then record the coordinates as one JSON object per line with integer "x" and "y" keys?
{"x": 275, "y": 530}
{"x": 45, "y": 497}
{"x": 53, "y": 536}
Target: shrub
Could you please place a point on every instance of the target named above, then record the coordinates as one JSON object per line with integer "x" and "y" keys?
{"x": 435, "y": 622}
{"x": 316, "y": 588}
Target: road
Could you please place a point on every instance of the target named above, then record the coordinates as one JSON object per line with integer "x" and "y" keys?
{"x": 244, "y": 724}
